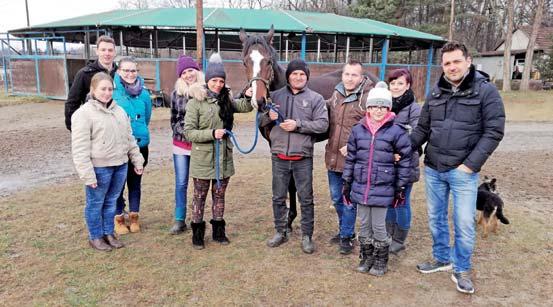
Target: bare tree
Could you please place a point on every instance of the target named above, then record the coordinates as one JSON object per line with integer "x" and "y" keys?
{"x": 177, "y": 3}
{"x": 136, "y": 4}
{"x": 507, "y": 44}
{"x": 530, "y": 49}
{"x": 451, "y": 20}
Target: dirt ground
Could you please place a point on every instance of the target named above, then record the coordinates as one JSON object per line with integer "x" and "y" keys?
{"x": 513, "y": 267}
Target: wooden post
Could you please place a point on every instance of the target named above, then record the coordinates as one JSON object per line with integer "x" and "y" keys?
{"x": 200, "y": 32}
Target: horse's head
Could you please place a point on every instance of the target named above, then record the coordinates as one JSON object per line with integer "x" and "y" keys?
{"x": 258, "y": 57}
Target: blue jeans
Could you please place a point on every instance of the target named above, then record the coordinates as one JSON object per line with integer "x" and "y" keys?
{"x": 100, "y": 202}
{"x": 463, "y": 187}
{"x": 134, "y": 185}
{"x": 402, "y": 214}
{"x": 182, "y": 166}
{"x": 346, "y": 214}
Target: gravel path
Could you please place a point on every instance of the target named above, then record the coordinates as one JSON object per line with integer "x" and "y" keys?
{"x": 35, "y": 146}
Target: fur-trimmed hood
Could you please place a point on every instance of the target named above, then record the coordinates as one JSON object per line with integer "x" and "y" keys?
{"x": 198, "y": 91}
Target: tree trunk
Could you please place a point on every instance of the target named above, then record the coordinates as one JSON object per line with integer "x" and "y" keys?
{"x": 451, "y": 20}
{"x": 530, "y": 49}
{"x": 507, "y": 43}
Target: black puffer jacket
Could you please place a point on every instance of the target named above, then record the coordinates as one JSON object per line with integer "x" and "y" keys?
{"x": 80, "y": 88}
{"x": 463, "y": 126}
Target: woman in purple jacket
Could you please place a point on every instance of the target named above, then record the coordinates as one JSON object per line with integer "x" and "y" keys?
{"x": 373, "y": 180}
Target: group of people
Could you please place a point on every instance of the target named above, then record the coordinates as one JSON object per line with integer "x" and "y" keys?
{"x": 375, "y": 136}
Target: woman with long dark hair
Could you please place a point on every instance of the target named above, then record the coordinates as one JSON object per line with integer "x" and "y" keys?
{"x": 209, "y": 116}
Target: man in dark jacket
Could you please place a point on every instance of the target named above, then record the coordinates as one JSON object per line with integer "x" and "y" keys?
{"x": 304, "y": 114}
{"x": 462, "y": 123}
{"x": 105, "y": 50}
{"x": 346, "y": 107}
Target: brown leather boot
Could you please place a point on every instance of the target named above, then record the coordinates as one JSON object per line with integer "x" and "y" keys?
{"x": 135, "y": 227}
{"x": 100, "y": 244}
{"x": 113, "y": 242}
{"x": 120, "y": 226}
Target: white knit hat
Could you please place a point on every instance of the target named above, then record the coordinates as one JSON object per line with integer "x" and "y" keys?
{"x": 379, "y": 96}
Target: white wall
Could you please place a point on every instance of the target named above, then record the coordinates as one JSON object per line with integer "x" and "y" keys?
{"x": 520, "y": 42}
{"x": 493, "y": 66}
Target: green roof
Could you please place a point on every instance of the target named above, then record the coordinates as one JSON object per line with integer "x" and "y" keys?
{"x": 233, "y": 19}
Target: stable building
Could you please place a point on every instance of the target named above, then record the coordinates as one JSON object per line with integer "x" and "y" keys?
{"x": 52, "y": 53}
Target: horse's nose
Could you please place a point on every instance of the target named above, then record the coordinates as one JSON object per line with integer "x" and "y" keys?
{"x": 260, "y": 103}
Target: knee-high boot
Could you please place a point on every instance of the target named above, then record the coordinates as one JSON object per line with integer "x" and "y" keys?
{"x": 366, "y": 254}
{"x": 381, "y": 253}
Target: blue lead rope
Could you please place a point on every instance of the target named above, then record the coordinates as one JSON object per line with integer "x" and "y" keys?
{"x": 232, "y": 137}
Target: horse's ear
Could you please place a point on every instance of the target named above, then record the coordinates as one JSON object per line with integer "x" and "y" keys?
{"x": 269, "y": 37}
{"x": 243, "y": 35}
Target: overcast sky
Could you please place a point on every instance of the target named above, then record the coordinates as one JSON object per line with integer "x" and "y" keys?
{"x": 12, "y": 12}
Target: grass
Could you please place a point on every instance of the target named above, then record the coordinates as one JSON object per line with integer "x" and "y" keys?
{"x": 45, "y": 259}
{"x": 6, "y": 100}
{"x": 529, "y": 105}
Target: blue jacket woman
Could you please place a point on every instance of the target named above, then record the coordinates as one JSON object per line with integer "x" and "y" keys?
{"x": 131, "y": 95}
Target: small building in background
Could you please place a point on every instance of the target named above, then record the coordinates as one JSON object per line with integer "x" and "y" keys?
{"x": 491, "y": 62}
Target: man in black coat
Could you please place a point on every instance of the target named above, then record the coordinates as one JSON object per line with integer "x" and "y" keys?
{"x": 105, "y": 50}
{"x": 462, "y": 122}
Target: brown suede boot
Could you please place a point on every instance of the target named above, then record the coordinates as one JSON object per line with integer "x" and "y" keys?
{"x": 135, "y": 227}
{"x": 120, "y": 226}
{"x": 100, "y": 244}
{"x": 113, "y": 242}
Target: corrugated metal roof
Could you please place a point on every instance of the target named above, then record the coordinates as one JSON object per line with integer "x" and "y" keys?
{"x": 233, "y": 19}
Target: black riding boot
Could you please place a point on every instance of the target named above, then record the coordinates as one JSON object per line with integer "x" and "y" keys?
{"x": 218, "y": 232}
{"x": 381, "y": 253}
{"x": 366, "y": 254}
{"x": 398, "y": 240}
{"x": 198, "y": 232}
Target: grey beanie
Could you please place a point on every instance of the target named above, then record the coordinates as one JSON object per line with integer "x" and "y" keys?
{"x": 379, "y": 96}
{"x": 215, "y": 68}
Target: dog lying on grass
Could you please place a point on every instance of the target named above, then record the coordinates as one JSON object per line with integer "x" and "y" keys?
{"x": 490, "y": 206}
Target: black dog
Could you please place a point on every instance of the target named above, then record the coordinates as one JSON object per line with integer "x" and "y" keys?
{"x": 490, "y": 205}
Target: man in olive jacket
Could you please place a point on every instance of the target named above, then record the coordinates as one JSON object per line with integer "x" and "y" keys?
{"x": 462, "y": 122}
{"x": 105, "y": 50}
{"x": 304, "y": 114}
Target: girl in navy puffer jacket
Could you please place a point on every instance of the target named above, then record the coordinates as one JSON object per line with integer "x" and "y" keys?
{"x": 372, "y": 178}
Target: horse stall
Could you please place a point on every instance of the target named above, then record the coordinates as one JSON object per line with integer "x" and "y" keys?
{"x": 42, "y": 76}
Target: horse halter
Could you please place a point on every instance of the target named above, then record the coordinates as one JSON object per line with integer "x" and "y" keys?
{"x": 266, "y": 82}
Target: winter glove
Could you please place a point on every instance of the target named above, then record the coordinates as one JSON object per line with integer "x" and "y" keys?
{"x": 399, "y": 197}
{"x": 346, "y": 191}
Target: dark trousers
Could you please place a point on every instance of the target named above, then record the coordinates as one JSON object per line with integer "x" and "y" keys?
{"x": 302, "y": 173}
{"x": 134, "y": 185}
